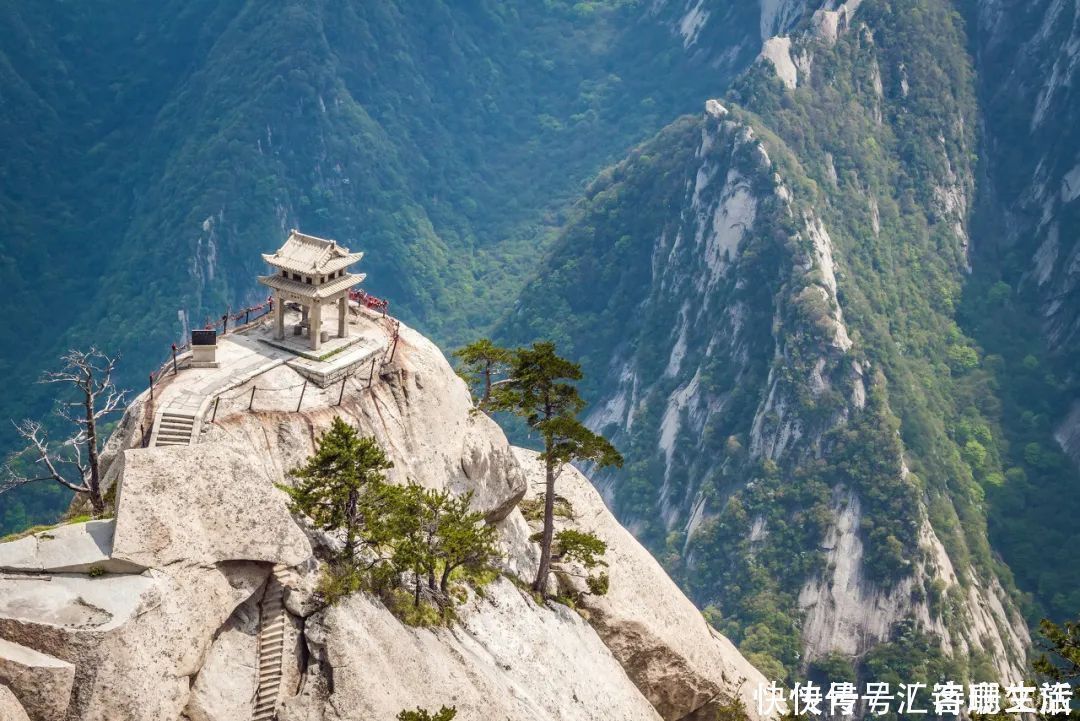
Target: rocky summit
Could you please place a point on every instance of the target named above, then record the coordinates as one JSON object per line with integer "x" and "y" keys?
{"x": 196, "y": 602}
{"x": 817, "y": 263}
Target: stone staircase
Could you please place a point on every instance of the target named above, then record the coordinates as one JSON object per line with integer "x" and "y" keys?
{"x": 179, "y": 419}
{"x": 271, "y": 644}
{"x": 174, "y": 428}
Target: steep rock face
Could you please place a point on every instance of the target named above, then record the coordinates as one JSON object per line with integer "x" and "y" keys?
{"x": 721, "y": 35}
{"x": 735, "y": 289}
{"x": 729, "y": 35}
{"x": 181, "y": 640}
{"x": 508, "y": 658}
{"x": 846, "y": 612}
{"x": 676, "y": 660}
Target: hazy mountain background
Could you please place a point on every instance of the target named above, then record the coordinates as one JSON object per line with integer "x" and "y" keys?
{"x": 153, "y": 150}
{"x": 832, "y": 320}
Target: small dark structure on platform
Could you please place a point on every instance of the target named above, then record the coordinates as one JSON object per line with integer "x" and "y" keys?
{"x": 204, "y": 349}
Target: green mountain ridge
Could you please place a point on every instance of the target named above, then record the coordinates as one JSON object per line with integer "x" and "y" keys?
{"x": 831, "y": 322}
{"x": 152, "y": 151}
{"x": 777, "y": 448}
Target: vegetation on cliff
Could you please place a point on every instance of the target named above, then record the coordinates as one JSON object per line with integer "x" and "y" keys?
{"x": 393, "y": 537}
{"x": 539, "y": 388}
{"x": 879, "y": 141}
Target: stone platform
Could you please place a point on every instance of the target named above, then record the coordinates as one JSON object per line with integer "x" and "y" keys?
{"x": 356, "y": 360}
{"x": 337, "y": 358}
{"x": 298, "y": 345}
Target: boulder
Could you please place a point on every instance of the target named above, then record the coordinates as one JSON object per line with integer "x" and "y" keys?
{"x": 205, "y": 503}
{"x": 135, "y": 641}
{"x": 507, "y": 658}
{"x": 301, "y": 599}
{"x": 41, "y": 683}
{"x": 673, "y": 656}
{"x": 67, "y": 606}
{"x": 226, "y": 684}
{"x": 144, "y": 670}
{"x": 72, "y": 548}
{"x": 10, "y": 708}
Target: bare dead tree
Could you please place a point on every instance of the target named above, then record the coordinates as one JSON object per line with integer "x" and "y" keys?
{"x": 74, "y": 462}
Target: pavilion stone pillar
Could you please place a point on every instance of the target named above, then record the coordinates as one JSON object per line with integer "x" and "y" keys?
{"x": 279, "y": 317}
{"x": 315, "y": 325}
{"x": 343, "y": 317}
{"x": 303, "y": 313}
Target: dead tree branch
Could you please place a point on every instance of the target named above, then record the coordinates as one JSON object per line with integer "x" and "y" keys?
{"x": 90, "y": 375}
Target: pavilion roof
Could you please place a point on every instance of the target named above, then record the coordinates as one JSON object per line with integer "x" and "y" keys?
{"x": 308, "y": 254}
{"x": 307, "y": 290}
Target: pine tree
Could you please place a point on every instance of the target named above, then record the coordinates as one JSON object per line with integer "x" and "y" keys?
{"x": 408, "y": 528}
{"x": 433, "y": 533}
{"x": 586, "y": 549}
{"x": 481, "y": 361}
{"x": 539, "y": 392}
{"x": 1060, "y": 664}
{"x": 341, "y": 486}
{"x": 465, "y": 538}
{"x": 420, "y": 714}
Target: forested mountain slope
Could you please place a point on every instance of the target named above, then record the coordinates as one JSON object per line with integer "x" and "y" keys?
{"x": 772, "y": 302}
{"x": 1024, "y": 303}
{"x": 1030, "y": 57}
{"x": 832, "y": 322}
{"x": 151, "y": 151}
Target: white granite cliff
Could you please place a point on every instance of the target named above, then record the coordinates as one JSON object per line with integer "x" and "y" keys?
{"x": 155, "y": 616}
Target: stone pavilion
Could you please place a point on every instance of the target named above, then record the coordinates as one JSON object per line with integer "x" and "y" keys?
{"x": 312, "y": 272}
